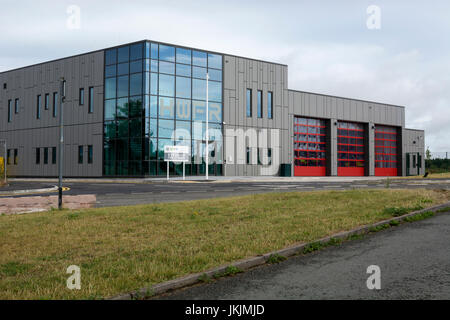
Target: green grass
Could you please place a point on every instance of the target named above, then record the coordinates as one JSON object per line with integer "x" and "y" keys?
{"x": 122, "y": 249}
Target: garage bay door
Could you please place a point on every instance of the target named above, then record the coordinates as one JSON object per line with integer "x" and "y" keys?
{"x": 309, "y": 147}
{"x": 351, "y": 157}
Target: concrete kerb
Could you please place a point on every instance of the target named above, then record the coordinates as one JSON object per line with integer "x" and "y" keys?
{"x": 28, "y": 191}
{"x": 252, "y": 262}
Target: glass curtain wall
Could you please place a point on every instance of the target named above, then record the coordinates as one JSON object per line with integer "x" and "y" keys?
{"x": 155, "y": 95}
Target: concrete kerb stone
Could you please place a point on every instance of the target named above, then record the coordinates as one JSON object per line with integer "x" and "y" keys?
{"x": 28, "y": 191}
{"x": 252, "y": 262}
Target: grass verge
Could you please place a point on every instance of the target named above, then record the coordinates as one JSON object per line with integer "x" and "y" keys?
{"x": 125, "y": 248}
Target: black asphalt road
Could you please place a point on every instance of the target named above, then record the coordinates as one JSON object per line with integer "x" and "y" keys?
{"x": 115, "y": 194}
{"x": 414, "y": 260}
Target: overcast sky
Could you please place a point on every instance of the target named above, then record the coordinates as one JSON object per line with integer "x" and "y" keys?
{"x": 326, "y": 44}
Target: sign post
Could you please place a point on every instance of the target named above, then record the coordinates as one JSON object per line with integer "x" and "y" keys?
{"x": 176, "y": 154}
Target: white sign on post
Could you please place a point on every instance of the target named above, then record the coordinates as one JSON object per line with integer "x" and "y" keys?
{"x": 176, "y": 154}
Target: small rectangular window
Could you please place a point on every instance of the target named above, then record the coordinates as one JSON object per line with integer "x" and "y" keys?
{"x": 16, "y": 105}
{"x": 91, "y": 99}
{"x": 81, "y": 97}
{"x": 38, "y": 155}
{"x": 247, "y": 160}
{"x": 260, "y": 103}
{"x": 55, "y": 104}
{"x": 45, "y": 155}
{"x": 249, "y": 102}
{"x": 90, "y": 154}
{"x": 9, "y": 110}
{"x": 80, "y": 154}
{"x": 53, "y": 155}
{"x": 38, "y": 107}
{"x": 8, "y": 157}
{"x": 46, "y": 102}
{"x": 270, "y": 105}
{"x": 16, "y": 156}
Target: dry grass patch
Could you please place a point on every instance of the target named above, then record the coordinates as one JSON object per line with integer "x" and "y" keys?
{"x": 124, "y": 248}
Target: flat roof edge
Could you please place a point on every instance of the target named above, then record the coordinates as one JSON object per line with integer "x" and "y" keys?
{"x": 348, "y": 98}
{"x": 134, "y": 42}
{"x": 411, "y": 129}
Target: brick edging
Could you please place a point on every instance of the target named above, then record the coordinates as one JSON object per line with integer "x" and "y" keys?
{"x": 251, "y": 262}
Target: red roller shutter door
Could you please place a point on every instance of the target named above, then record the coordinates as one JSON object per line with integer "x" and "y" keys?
{"x": 309, "y": 147}
{"x": 351, "y": 156}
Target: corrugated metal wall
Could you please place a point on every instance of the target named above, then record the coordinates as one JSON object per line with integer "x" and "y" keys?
{"x": 25, "y": 132}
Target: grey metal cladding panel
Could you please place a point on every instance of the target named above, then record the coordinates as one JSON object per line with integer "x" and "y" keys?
{"x": 230, "y": 73}
{"x": 315, "y": 105}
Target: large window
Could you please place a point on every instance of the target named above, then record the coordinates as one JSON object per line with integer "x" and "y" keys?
{"x": 150, "y": 95}
{"x": 249, "y": 102}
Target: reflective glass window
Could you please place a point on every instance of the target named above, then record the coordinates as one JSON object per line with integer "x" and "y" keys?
{"x": 214, "y": 61}
{"x": 135, "y": 84}
{"x": 136, "y": 66}
{"x": 153, "y": 128}
{"x": 111, "y": 56}
{"x": 183, "y": 56}
{"x": 183, "y": 87}
{"x": 147, "y": 50}
{"x": 153, "y": 106}
{"x": 135, "y": 106}
{"x": 122, "y": 108}
{"x": 161, "y": 144}
{"x": 166, "y": 85}
{"x": 123, "y": 54}
{"x": 183, "y": 109}
{"x": 183, "y": 131}
{"x": 198, "y": 72}
{"x": 215, "y": 91}
{"x": 136, "y": 51}
{"x": 166, "y": 53}
{"x": 183, "y": 70}
{"x": 199, "y": 58}
{"x": 166, "y": 108}
{"x": 154, "y": 65}
{"x": 215, "y": 112}
{"x": 165, "y": 128}
{"x": 198, "y": 89}
{"x": 166, "y": 67}
{"x": 110, "y": 109}
{"x": 154, "y": 83}
{"x": 110, "y": 88}
{"x": 198, "y": 110}
{"x": 215, "y": 75}
{"x": 122, "y": 86}
{"x": 110, "y": 71}
{"x": 154, "y": 51}
{"x": 123, "y": 68}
